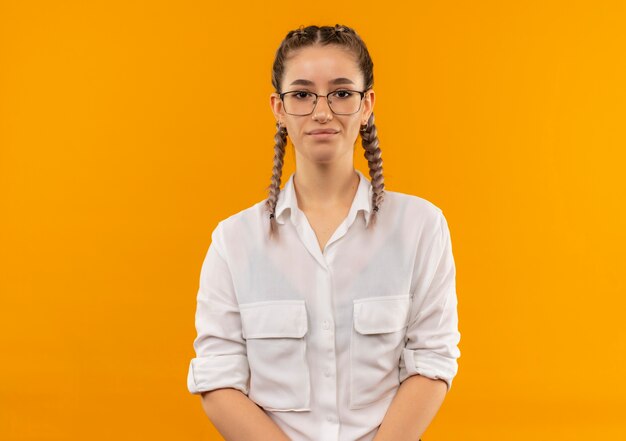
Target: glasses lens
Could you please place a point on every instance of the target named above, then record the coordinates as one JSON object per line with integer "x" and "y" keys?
{"x": 299, "y": 103}
{"x": 345, "y": 101}
{"x": 340, "y": 102}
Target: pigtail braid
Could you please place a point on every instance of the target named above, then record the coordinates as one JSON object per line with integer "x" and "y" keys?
{"x": 369, "y": 140}
{"x": 280, "y": 143}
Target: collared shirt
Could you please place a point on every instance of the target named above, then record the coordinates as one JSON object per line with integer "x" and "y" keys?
{"x": 322, "y": 339}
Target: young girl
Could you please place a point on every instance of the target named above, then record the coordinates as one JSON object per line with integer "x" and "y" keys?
{"x": 328, "y": 311}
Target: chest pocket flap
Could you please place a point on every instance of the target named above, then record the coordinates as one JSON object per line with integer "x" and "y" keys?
{"x": 274, "y": 319}
{"x": 378, "y": 315}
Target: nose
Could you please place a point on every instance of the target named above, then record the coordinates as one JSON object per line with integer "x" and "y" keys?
{"x": 322, "y": 112}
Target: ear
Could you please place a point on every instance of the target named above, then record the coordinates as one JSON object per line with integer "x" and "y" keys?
{"x": 277, "y": 107}
{"x": 368, "y": 104}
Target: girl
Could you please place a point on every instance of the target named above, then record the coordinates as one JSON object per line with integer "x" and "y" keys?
{"x": 328, "y": 311}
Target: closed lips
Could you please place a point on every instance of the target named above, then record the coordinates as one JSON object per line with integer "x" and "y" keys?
{"x": 315, "y": 132}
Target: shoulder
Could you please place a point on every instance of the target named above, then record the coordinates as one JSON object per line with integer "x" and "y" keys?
{"x": 249, "y": 221}
{"x": 413, "y": 209}
{"x": 419, "y": 221}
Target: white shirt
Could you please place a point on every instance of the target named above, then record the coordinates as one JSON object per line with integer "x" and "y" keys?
{"x": 322, "y": 340}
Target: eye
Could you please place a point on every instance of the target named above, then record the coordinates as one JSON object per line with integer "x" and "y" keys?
{"x": 301, "y": 94}
{"x": 342, "y": 93}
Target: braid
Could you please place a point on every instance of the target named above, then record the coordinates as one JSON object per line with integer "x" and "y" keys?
{"x": 280, "y": 139}
{"x": 369, "y": 140}
{"x": 299, "y": 35}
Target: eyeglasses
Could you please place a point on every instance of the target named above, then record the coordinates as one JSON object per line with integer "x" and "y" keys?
{"x": 341, "y": 102}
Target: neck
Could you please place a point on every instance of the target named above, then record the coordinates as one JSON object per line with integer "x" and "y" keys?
{"x": 325, "y": 187}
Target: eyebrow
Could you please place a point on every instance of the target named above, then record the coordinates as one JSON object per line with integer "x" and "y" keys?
{"x": 302, "y": 82}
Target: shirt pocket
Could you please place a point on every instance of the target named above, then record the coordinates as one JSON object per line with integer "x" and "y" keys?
{"x": 276, "y": 349}
{"x": 376, "y": 345}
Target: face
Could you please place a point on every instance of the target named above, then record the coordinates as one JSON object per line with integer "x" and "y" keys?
{"x": 316, "y": 69}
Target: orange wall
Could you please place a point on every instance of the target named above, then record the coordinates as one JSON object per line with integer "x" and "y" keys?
{"x": 129, "y": 129}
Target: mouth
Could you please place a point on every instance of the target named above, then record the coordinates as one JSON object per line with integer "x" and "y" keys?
{"x": 323, "y": 134}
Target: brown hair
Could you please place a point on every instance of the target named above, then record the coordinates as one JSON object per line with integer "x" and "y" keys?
{"x": 324, "y": 35}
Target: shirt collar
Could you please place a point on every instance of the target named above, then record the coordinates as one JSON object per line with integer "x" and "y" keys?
{"x": 287, "y": 201}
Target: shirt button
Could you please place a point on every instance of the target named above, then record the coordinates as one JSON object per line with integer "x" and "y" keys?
{"x": 325, "y": 324}
{"x": 330, "y": 418}
{"x": 327, "y": 373}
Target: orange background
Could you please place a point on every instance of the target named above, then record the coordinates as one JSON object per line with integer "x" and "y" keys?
{"x": 129, "y": 129}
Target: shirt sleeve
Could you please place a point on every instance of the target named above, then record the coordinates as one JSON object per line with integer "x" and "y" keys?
{"x": 432, "y": 335}
{"x": 221, "y": 358}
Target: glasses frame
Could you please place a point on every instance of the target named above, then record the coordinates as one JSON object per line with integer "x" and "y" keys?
{"x": 317, "y": 96}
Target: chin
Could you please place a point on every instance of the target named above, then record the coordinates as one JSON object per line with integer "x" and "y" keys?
{"x": 326, "y": 157}
{"x": 324, "y": 152}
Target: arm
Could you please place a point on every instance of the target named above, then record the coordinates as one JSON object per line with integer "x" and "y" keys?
{"x": 429, "y": 361}
{"x": 220, "y": 372}
{"x": 407, "y": 417}
{"x": 238, "y": 418}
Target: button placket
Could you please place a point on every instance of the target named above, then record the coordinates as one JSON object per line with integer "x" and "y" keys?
{"x": 327, "y": 369}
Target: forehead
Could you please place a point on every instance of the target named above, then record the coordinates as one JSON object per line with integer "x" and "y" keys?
{"x": 320, "y": 65}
